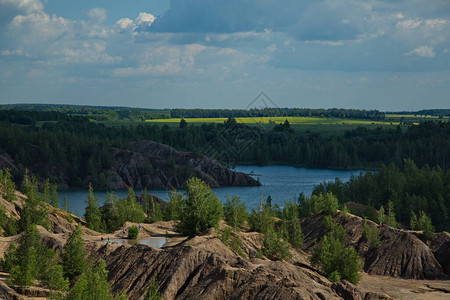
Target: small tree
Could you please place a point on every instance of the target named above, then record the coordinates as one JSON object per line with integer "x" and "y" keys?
{"x": 291, "y": 224}
{"x": 202, "y": 208}
{"x": 235, "y": 212}
{"x": 372, "y": 235}
{"x": 331, "y": 256}
{"x": 9, "y": 188}
{"x": 423, "y": 222}
{"x": 73, "y": 255}
{"x": 261, "y": 219}
{"x": 92, "y": 214}
{"x": 129, "y": 209}
{"x": 152, "y": 292}
{"x": 133, "y": 232}
{"x": 275, "y": 248}
{"x": 327, "y": 203}
{"x": 92, "y": 285}
{"x": 52, "y": 274}
{"x": 174, "y": 207}
{"x": 26, "y": 267}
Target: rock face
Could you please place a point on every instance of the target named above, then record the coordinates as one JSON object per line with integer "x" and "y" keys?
{"x": 147, "y": 164}
{"x": 401, "y": 253}
{"x": 441, "y": 248}
{"x": 6, "y": 162}
{"x": 191, "y": 272}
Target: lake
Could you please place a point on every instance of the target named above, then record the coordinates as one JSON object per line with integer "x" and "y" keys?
{"x": 282, "y": 183}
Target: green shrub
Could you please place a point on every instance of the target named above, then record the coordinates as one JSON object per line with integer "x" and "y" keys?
{"x": 201, "y": 208}
{"x": 331, "y": 255}
{"x": 133, "y": 232}
{"x": 334, "y": 277}
{"x": 93, "y": 285}
{"x": 235, "y": 212}
{"x": 174, "y": 207}
{"x": 152, "y": 292}
{"x": 232, "y": 240}
{"x": 317, "y": 203}
{"x": 423, "y": 222}
{"x": 275, "y": 248}
{"x": 291, "y": 226}
{"x": 372, "y": 235}
{"x": 261, "y": 219}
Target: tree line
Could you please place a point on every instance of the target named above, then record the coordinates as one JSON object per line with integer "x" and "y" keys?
{"x": 278, "y": 112}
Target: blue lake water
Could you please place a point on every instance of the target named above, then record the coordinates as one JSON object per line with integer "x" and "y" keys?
{"x": 282, "y": 183}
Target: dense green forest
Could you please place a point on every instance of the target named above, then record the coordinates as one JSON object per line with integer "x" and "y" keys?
{"x": 97, "y": 113}
{"x": 277, "y": 112}
{"x": 76, "y": 148}
{"x": 410, "y": 190}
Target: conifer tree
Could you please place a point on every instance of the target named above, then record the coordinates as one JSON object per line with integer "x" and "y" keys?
{"x": 92, "y": 214}
{"x": 73, "y": 255}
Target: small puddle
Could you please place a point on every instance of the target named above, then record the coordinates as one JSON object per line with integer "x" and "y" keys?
{"x": 155, "y": 242}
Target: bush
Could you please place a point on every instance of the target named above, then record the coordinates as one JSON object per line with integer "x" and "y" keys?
{"x": 423, "y": 222}
{"x": 331, "y": 255}
{"x": 372, "y": 235}
{"x": 317, "y": 203}
{"x": 201, "y": 209}
{"x": 235, "y": 212}
{"x": 152, "y": 292}
{"x": 261, "y": 219}
{"x": 231, "y": 240}
{"x": 133, "y": 232}
{"x": 174, "y": 207}
{"x": 275, "y": 248}
{"x": 327, "y": 203}
{"x": 93, "y": 285}
{"x": 292, "y": 230}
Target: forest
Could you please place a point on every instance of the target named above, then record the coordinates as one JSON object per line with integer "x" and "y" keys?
{"x": 408, "y": 189}
{"x": 277, "y": 112}
{"x": 79, "y": 148}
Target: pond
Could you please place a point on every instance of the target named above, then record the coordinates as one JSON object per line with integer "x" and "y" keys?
{"x": 155, "y": 242}
{"x": 282, "y": 183}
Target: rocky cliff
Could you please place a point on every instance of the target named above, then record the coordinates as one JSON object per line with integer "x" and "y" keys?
{"x": 147, "y": 164}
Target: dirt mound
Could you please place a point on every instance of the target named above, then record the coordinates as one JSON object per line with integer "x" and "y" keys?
{"x": 441, "y": 248}
{"x": 401, "y": 253}
{"x": 190, "y": 272}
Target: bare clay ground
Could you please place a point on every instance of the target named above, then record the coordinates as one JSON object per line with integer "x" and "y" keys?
{"x": 406, "y": 289}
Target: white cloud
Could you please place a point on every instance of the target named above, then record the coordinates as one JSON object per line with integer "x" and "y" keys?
{"x": 97, "y": 15}
{"x": 27, "y": 6}
{"x": 423, "y": 51}
{"x": 145, "y": 18}
{"x": 124, "y": 23}
{"x": 409, "y": 24}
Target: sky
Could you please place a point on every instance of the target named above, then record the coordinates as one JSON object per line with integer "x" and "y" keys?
{"x": 366, "y": 54}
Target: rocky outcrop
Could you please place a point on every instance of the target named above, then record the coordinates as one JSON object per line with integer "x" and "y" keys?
{"x": 147, "y": 164}
{"x": 6, "y": 162}
{"x": 189, "y": 272}
{"x": 401, "y": 253}
{"x": 441, "y": 248}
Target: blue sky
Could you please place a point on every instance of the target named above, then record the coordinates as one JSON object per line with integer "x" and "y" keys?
{"x": 371, "y": 54}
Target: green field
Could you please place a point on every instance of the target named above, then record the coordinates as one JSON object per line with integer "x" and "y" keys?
{"x": 327, "y": 126}
{"x": 276, "y": 120}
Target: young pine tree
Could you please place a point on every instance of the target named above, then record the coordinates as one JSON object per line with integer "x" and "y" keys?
{"x": 93, "y": 285}
{"x": 73, "y": 255}
{"x": 92, "y": 214}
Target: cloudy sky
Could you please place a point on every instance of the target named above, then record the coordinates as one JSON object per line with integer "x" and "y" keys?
{"x": 372, "y": 54}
